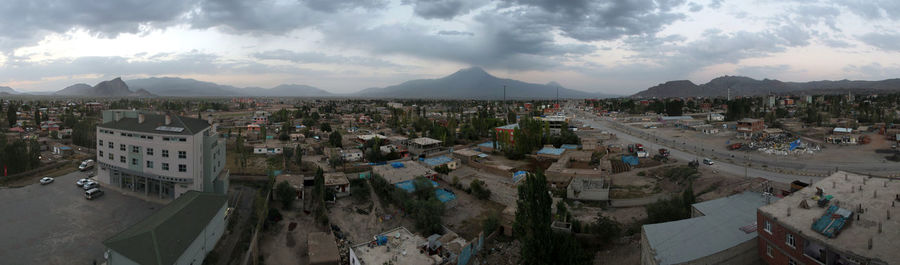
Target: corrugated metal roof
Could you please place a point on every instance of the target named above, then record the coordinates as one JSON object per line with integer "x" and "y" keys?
{"x": 163, "y": 237}
{"x": 690, "y": 239}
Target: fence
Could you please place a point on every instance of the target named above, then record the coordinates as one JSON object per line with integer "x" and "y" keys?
{"x": 50, "y": 166}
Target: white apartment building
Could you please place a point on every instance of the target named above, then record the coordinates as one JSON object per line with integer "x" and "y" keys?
{"x": 160, "y": 155}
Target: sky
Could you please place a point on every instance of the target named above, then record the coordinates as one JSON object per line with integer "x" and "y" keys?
{"x": 618, "y": 47}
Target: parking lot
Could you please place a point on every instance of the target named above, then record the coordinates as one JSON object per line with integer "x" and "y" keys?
{"x": 54, "y": 224}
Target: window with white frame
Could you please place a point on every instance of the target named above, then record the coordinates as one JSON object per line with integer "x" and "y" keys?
{"x": 165, "y": 166}
{"x": 165, "y": 153}
{"x": 789, "y": 240}
{"x": 768, "y": 227}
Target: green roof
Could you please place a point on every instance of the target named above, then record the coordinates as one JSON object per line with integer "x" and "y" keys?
{"x": 163, "y": 237}
{"x": 152, "y": 121}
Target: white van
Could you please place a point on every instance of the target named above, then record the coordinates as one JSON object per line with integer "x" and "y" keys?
{"x": 708, "y": 161}
{"x": 93, "y": 193}
{"x": 86, "y": 164}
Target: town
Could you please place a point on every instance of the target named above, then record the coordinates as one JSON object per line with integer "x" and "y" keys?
{"x": 771, "y": 179}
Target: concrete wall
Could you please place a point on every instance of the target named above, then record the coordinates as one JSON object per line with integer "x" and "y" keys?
{"x": 117, "y": 259}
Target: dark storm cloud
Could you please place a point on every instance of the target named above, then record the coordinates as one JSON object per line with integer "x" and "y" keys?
{"x": 243, "y": 16}
{"x": 332, "y": 6}
{"x": 321, "y": 58}
{"x": 27, "y": 21}
{"x": 443, "y": 9}
{"x": 695, "y": 7}
{"x": 884, "y": 41}
{"x": 597, "y": 20}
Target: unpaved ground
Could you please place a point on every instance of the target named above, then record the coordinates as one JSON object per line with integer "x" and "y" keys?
{"x": 280, "y": 246}
{"x": 620, "y": 254}
{"x": 465, "y": 218}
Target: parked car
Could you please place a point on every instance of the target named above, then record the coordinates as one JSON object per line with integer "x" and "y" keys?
{"x": 708, "y": 161}
{"x": 93, "y": 193}
{"x": 90, "y": 185}
{"x": 86, "y": 164}
{"x": 46, "y": 180}
{"x": 81, "y": 182}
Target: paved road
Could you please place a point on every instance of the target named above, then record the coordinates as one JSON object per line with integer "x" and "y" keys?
{"x": 723, "y": 166}
{"x": 811, "y": 166}
{"x": 54, "y": 224}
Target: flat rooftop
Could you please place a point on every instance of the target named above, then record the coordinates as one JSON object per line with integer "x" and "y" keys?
{"x": 425, "y": 141}
{"x": 717, "y": 230}
{"x": 337, "y": 178}
{"x": 853, "y": 238}
{"x": 410, "y": 170}
{"x": 402, "y": 248}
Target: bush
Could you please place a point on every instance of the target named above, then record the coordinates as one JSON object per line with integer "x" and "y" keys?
{"x": 359, "y": 190}
{"x": 668, "y": 210}
{"x": 491, "y": 223}
{"x": 286, "y": 194}
{"x": 443, "y": 169}
{"x": 480, "y": 190}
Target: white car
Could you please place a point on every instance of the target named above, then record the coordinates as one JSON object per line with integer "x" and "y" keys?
{"x": 90, "y": 184}
{"x": 46, "y": 180}
{"x": 81, "y": 182}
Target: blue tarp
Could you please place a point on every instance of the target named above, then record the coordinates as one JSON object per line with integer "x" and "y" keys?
{"x": 410, "y": 186}
{"x": 631, "y": 160}
{"x": 795, "y": 144}
{"x": 519, "y": 175}
{"x": 551, "y": 151}
{"x": 381, "y": 240}
{"x": 569, "y": 146}
{"x": 444, "y": 195}
{"x": 397, "y": 165}
{"x": 489, "y": 144}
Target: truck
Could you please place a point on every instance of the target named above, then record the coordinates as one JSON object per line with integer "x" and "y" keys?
{"x": 664, "y": 152}
{"x": 735, "y": 146}
{"x": 86, "y": 165}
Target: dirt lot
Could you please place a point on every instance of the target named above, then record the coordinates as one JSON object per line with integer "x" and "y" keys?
{"x": 465, "y": 218}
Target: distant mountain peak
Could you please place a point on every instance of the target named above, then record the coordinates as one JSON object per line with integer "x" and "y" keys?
{"x": 471, "y": 72}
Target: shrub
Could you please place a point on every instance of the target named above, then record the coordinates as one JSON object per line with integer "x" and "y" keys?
{"x": 480, "y": 190}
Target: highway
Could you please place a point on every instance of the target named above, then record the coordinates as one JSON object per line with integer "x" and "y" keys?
{"x": 719, "y": 165}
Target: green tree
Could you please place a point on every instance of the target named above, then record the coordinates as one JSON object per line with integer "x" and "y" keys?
{"x": 335, "y": 139}
{"x": 532, "y": 227}
{"x": 11, "y": 117}
{"x": 286, "y": 194}
{"x": 262, "y": 132}
{"x": 298, "y": 156}
{"x": 480, "y": 190}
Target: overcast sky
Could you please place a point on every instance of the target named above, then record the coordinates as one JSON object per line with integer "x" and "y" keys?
{"x": 343, "y": 46}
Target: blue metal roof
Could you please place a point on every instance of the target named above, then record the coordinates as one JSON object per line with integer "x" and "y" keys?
{"x": 569, "y": 146}
{"x": 410, "y": 186}
{"x": 444, "y": 195}
{"x": 551, "y": 151}
{"x": 437, "y": 161}
{"x": 487, "y": 144}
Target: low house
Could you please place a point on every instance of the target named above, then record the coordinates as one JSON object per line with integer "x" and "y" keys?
{"x": 441, "y": 161}
{"x": 425, "y": 147}
{"x": 402, "y": 171}
{"x": 322, "y": 249}
{"x": 352, "y": 155}
{"x": 182, "y": 232}
{"x": 337, "y": 182}
{"x": 267, "y": 150}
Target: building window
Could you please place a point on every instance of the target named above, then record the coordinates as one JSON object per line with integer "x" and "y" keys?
{"x": 149, "y": 151}
{"x": 99, "y": 142}
{"x": 165, "y": 166}
{"x": 111, "y": 156}
{"x": 110, "y": 144}
{"x": 182, "y": 154}
{"x": 182, "y": 168}
{"x": 768, "y": 227}
{"x": 792, "y": 262}
{"x": 149, "y": 164}
{"x": 122, "y": 159}
{"x": 121, "y": 147}
{"x": 769, "y": 250}
{"x": 135, "y": 149}
{"x": 100, "y": 154}
{"x": 165, "y": 153}
{"x": 134, "y": 161}
{"x": 789, "y": 240}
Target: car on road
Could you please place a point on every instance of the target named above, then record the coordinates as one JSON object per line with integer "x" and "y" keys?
{"x": 46, "y": 180}
{"x": 708, "y": 161}
{"x": 86, "y": 164}
{"x": 93, "y": 193}
{"x": 90, "y": 185}
{"x": 81, "y": 182}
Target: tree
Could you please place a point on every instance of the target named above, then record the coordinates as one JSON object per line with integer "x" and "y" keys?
{"x": 335, "y": 139}
{"x": 298, "y": 156}
{"x": 11, "y": 117}
{"x": 262, "y": 132}
{"x": 326, "y": 127}
{"x": 286, "y": 194}
{"x": 532, "y": 223}
{"x": 480, "y": 190}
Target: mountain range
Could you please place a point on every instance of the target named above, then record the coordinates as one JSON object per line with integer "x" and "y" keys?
{"x": 110, "y": 88}
{"x": 745, "y": 86}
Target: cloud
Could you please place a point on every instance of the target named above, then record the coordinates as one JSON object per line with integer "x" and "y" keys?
{"x": 872, "y": 9}
{"x": 872, "y": 71}
{"x": 764, "y": 71}
{"x": 716, "y": 4}
{"x": 443, "y": 9}
{"x": 595, "y": 20}
{"x": 455, "y": 33}
{"x": 884, "y": 41}
{"x": 321, "y": 58}
{"x": 695, "y": 7}
{"x": 27, "y": 21}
